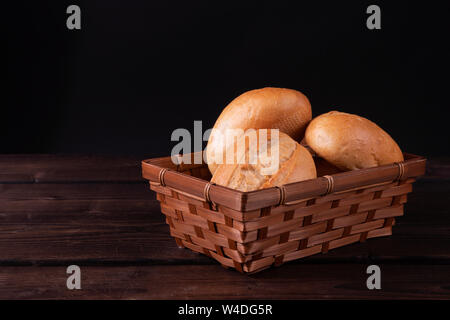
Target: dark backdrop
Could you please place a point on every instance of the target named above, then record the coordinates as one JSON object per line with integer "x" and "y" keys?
{"x": 138, "y": 69}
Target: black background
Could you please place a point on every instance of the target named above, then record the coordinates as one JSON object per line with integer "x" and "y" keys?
{"x": 137, "y": 70}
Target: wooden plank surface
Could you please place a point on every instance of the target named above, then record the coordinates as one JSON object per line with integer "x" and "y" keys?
{"x": 122, "y": 222}
{"x": 69, "y": 168}
{"x": 343, "y": 281}
{"x": 97, "y": 212}
{"x": 96, "y": 168}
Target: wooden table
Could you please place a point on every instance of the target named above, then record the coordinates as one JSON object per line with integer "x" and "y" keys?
{"x": 96, "y": 212}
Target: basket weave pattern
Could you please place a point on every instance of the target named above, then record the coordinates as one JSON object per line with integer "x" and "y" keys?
{"x": 253, "y": 240}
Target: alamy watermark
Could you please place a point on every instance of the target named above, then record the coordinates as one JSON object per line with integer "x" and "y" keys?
{"x": 374, "y": 20}
{"x": 231, "y": 146}
{"x": 73, "y": 21}
{"x": 374, "y": 280}
{"x": 74, "y": 280}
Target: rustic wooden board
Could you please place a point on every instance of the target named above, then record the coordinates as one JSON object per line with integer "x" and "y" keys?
{"x": 438, "y": 168}
{"x": 76, "y": 197}
{"x": 97, "y": 212}
{"x": 95, "y": 168}
{"x": 150, "y": 244}
{"x": 343, "y": 281}
{"x": 69, "y": 168}
{"x": 57, "y": 223}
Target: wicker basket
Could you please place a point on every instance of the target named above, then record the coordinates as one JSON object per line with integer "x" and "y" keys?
{"x": 251, "y": 231}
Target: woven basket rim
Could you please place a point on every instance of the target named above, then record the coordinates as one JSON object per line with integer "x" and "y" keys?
{"x": 413, "y": 166}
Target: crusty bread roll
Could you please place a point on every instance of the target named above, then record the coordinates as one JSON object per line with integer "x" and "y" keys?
{"x": 284, "y": 109}
{"x": 295, "y": 163}
{"x": 351, "y": 142}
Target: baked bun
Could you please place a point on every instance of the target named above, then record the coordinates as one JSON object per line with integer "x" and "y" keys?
{"x": 284, "y": 109}
{"x": 351, "y": 142}
{"x": 292, "y": 163}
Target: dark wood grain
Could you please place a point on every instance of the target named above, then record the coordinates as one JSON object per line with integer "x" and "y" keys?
{"x": 127, "y": 238}
{"x": 61, "y": 223}
{"x": 438, "y": 168}
{"x": 97, "y": 212}
{"x": 69, "y": 168}
{"x": 76, "y": 168}
{"x": 343, "y": 281}
{"x": 78, "y": 197}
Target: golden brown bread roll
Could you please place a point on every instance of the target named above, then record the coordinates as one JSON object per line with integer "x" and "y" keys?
{"x": 351, "y": 142}
{"x": 295, "y": 163}
{"x": 277, "y": 108}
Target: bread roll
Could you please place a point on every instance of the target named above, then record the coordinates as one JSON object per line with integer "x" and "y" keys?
{"x": 295, "y": 163}
{"x": 351, "y": 142}
{"x": 284, "y": 109}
